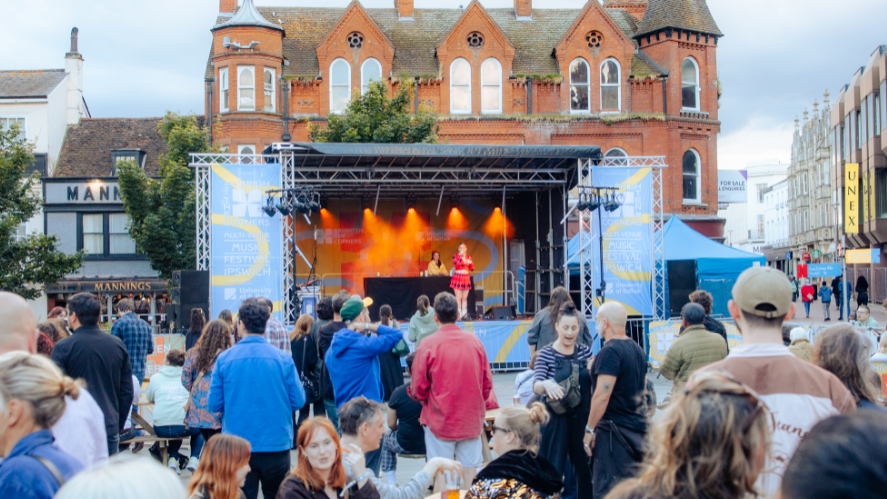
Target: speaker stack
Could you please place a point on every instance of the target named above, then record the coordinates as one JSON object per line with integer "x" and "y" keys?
{"x": 190, "y": 290}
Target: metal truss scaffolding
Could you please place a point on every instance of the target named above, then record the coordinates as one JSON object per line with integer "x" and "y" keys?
{"x": 586, "y": 237}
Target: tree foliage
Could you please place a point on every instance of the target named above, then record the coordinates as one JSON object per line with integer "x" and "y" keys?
{"x": 162, "y": 211}
{"x": 374, "y": 117}
{"x": 26, "y": 264}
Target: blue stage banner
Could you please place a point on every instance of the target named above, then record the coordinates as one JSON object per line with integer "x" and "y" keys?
{"x": 628, "y": 239}
{"x": 246, "y": 244}
{"x": 815, "y": 270}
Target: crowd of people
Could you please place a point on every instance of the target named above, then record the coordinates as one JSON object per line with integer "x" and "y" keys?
{"x": 782, "y": 414}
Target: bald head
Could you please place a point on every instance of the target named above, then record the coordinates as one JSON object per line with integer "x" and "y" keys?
{"x": 611, "y": 319}
{"x": 18, "y": 326}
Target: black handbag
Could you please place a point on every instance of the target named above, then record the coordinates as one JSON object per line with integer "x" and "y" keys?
{"x": 312, "y": 390}
{"x": 572, "y": 396}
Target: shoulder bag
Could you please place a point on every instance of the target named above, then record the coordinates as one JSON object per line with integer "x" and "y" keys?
{"x": 312, "y": 391}
{"x": 572, "y": 397}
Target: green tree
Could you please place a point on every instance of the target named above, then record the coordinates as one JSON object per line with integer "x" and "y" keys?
{"x": 373, "y": 117}
{"x": 26, "y": 264}
{"x": 162, "y": 211}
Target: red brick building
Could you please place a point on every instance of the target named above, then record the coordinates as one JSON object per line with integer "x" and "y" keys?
{"x": 636, "y": 77}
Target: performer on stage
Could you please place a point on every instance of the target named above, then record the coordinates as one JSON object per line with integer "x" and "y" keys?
{"x": 436, "y": 267}
{"x": 461, "y": 281}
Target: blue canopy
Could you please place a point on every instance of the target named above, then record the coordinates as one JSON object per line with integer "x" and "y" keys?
{"x": 713, "y": 259}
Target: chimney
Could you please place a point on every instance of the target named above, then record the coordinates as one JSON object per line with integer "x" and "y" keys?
{"x": 404, "y": 9}
{"x": 227, "y": 6}
{"x": 74, "y": 68}
{"x": 523, "y": 9}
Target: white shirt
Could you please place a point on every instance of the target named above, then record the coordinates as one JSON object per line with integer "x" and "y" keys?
{"x": 81, "y": 431}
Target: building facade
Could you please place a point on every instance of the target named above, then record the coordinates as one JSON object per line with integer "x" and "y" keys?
{"x": 82, "y": 206}
{"x": 811, "y": 218}
{"x": 637, "y": 77}
{"x": 858, "y": 136}
{"x": 776, "y": 226}
{"x": 746, "y": 222}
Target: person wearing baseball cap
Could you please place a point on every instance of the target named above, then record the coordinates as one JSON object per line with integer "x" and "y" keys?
{"x": 797, "y": 393}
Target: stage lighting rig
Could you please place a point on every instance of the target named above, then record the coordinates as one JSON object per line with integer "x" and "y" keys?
{"x": 612, "y": 203}
{"x": 314, "y": 205}
{"x": 269, "y": 207}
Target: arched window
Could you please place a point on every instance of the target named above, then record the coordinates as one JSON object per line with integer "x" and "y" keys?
{"x": 616, "y": 152}
{"x": 340, "y": 85}
{"x": 579, "y": 86}
{"x": 611, "y": 90}
{"x": 690, "y": 85}
{"x": 246, "y": 88}
{"x": 269, "y": 90}
{"x": 460, "y": 87}
{"x": 370, "y": 71}
{"x": 491, "y": 86}
{"x": 691, "y": 176}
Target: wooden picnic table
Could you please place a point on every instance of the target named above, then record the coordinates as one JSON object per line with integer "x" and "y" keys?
{"x": 488, "y": 428}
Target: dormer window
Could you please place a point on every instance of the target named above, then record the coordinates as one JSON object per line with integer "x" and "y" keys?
{"x": 118, "y": 155}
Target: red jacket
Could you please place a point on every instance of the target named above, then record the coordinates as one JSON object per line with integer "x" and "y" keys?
{"x": 451, "y": 377}
{"x": 807, "y": 290}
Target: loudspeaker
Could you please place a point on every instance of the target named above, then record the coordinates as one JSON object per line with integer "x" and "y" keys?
{"x": 503, "y": 313}
{"x": 681, "y": 282}
{"x": 190, "y": 290}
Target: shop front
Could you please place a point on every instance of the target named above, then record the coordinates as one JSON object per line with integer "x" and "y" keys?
{"x": 149, "y": 295}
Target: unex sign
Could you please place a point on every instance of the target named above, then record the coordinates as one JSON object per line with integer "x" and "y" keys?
{"x": 83, "y": 192}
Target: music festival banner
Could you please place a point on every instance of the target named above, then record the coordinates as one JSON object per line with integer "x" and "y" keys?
{"x": 628, "y": 239}
{"x": 661, "y": 335}
{"x": 246, "y": 243}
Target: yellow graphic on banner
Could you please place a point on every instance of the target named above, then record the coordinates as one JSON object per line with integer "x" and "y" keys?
{"x": 261, "y": 258}
{"x": 851, "y": 198}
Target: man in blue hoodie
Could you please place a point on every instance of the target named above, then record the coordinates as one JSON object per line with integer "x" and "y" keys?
{"x": 352, "y": 363}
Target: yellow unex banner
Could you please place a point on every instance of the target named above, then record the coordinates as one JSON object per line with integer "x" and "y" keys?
{"x": 851, "y": 198}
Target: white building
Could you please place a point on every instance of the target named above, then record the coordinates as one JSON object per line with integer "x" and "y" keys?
{"x": 746, "y": 227}
{"x": 776, "y": 224}
{"x": 43, "y": 103}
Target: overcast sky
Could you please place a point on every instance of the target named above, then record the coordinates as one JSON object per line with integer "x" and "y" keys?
{"x": 143, "y": 58}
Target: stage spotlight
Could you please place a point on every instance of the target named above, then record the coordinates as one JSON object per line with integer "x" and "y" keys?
{"x": 497, "y": 209}
{"x": 302, "y": 204}
{"x": 594, "y": 202}
{"x": 285, "y": 208}
{"x": 314, "y": 204}
{"x": 411, "y": 205}
{"x": 269, "y": 208}
{"x": 612, "y": 204}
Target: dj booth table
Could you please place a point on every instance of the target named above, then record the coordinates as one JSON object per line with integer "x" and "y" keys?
{"x": 401, "y": 293}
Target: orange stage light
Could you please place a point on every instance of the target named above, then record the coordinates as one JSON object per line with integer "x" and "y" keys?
{"x": 456, "y": 220}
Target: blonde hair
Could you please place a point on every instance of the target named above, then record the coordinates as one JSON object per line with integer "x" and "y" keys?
{"x": 36, "y": 380}
{"x": 882, "y": 344}
{"x": 140, "y": 478}
{"x": 704, "y": 445}
{"x": 303, "y": 327}
{"x": 525, "y": 424}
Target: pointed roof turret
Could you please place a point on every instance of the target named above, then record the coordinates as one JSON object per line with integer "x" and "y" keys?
{"x": 248, "y": 15}
{"x": 690, "y": 15}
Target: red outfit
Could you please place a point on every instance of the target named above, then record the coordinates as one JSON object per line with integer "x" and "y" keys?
{"x": 451, "y": 377}
{"x": 807, "y": 290}
{"x": 461, "y": 281}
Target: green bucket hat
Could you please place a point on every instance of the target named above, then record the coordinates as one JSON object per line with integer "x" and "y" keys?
{"x": 353, "y": 307}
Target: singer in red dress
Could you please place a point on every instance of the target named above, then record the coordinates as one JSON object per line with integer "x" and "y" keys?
{"x": 461, "y": 281}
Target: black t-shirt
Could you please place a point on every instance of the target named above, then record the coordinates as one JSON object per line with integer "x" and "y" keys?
{"x": 625, "y": 360}
{"x": 324, "y": 339}
{"x": 410, "y": 435}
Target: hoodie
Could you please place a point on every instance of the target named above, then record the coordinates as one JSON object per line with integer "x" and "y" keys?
{"x": 165, "y": 390}
{"x": 422, "y": 326}
{"x": 352, "y": 364}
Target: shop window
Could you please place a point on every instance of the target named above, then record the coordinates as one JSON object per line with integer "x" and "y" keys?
{"x": 689, "y": 85}
{"x": 579, "y": 86}
{"x": 460, "y": 87}
{"x": 611, "y": 91}
{"x": 340, "y": 85}
{"x": 491, "y": 87}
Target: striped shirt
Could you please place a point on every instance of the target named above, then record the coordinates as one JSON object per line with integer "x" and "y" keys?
{"x": 546, "y": 361}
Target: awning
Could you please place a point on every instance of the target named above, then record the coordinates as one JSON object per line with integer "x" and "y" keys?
{"x": 109, "y": 285}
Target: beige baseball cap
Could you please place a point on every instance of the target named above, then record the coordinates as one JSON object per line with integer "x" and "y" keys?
{"x": 763, "y": 286}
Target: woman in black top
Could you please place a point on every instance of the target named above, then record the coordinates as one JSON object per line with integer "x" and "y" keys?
{"x": 862, "y": 291}
{"x": 562, "y": 435}
{"x": 305, "y": 358}
{"x": 197, "y": 323}
{"x": 389, "y": 364}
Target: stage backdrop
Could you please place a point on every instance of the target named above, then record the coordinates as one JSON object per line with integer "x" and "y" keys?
{"x": 246, "y": 243}
{"x": 350, "y": 243}
{"x": 628, "y": 239}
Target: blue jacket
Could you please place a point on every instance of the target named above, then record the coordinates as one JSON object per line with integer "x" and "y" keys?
{"x": 256, "y": 389}
{"x": 353, "y": 366}
{"x": 825, "y": 294}
{"x": 24, "y": 477}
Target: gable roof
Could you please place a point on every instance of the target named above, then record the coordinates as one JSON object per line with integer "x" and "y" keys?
{"x": 88, "y": 145}
{"x": 623, "y": 25}
{"x": 415, "y": 41}
{"x": 29, "y": 84}
{"x": 475, "y": 5}
{"x": 357, "y": 6}
{"x": 691, "y": 15}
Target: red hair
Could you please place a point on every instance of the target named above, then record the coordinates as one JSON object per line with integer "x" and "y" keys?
{"x": 55, "y": 312}
{"x": 304, "y": 470}
{"x": 221, "y": 458}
